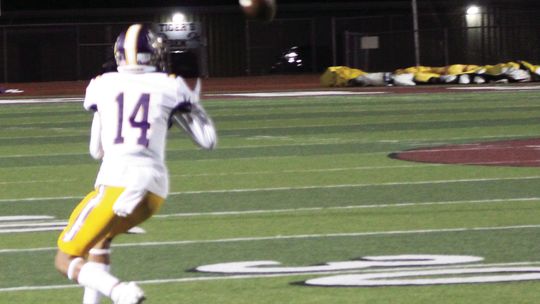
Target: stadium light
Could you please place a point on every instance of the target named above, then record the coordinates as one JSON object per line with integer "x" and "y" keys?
{"x": 473, "y": 16}
{"x": 178, "y": 18}
{"x": 473, "y": 10}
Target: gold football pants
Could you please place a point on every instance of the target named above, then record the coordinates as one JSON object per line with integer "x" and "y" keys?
{"x": 93, "y": 220}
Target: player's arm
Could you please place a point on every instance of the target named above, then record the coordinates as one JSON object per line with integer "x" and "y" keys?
{"x": 185, "y": 98}
{"x": 195, "y": 122}
{"x": 95, "y": 147}
{"x": 90, "y": 104}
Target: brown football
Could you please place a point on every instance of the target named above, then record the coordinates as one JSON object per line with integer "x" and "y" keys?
{"x": 262, "y": 10}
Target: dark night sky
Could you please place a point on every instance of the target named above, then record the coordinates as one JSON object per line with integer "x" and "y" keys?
{"x": 11, "y": 5}
{"x": 74, "y": 4}
{"x": 29, "y": 5}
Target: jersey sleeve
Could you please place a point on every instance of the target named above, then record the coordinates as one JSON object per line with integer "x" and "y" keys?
{"x": 184, "y": 93}
{"x": 91, "y": 99}
{"x": 95, "y": 146}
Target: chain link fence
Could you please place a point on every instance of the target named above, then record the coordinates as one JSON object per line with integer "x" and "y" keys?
{"x": 236, "y": 47}
{"x": 469, "y": 41}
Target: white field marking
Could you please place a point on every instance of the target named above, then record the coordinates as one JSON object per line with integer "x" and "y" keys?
{"x": 374, "y": 206}
{"x": 33, "y": 199}
{"x": 419, "y": 141}
{"x": 290, "y": 237}
{"x": 448, "y": 181}
{"x": 54, "y": 226}
{"x": 260, "y": 276}
{"x": 39, "y": 137}
{"x": 34, "y": 224}
{"x": 497, "y": 88}
{"x": 309, "y": 170}
{"x": 43, "y": 154}
{"x": 241, "y": 190}
{"x": 323, "y": 142}
{"x": 249, "y": 173}
{"x": 258, "y": 137}
{"x": 39, "y": 181}
{"x": 469, "y": 147}
{"x": 14, "y": 218}
{"x": 296, "y": 94}
{"x": 41, "y": 100}
{"x": 19, "y": 227}
{"x": 359, "y": 168}
{"x": 37, "y": 229}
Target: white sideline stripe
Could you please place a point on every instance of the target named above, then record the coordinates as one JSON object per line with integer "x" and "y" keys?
{"x": 296, "y": 94}
{"x": 40, "y": 155}
{"x": 250, "y": 173}
{"x": 497, "y": 88}
{"x": 32, "y": 227}
{"x": 39, "y": 229}
{"x": 292, "y": 237}
{"x": 241, "y": 190}
{"x": 31, "y": 224}
{"x": 41, "y": 100}
{"x": 358, "y": 185}
{"x": 257, "y": 276}
{"x": 10, "y": 218}
{"x": 39, "y": 181}
{"x": 32, "y": 199}
{"x": 59, "y": 225}
{"x": 311, "y": 170}
{"x": 373, "y": 206}
{"x": 419, "y": 141}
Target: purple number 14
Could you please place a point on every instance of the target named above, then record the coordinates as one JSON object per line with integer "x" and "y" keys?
{"x": 142, "y": 124}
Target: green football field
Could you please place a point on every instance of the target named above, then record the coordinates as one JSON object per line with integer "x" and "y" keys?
{"x": 304, "y": 182}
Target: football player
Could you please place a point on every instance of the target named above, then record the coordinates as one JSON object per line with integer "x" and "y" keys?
{"x": 132, "y": 110}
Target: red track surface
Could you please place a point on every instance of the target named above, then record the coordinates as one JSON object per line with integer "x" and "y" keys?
{"x": 211, "y": 85}
{"x": 231, "y": 84}
{"x": 518, "y": 153}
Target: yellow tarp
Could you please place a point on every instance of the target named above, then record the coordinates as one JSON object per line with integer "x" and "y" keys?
{"x": 339, "y": 76}
{"x": 423, "y": 74}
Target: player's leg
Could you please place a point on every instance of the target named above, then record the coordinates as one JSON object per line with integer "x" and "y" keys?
{"x": 92, "y": 221}
{"x": 89, "y": 224}
{"x": 151, "y": 203}
{"x": 124, "y": 293}
{"x": 100, "y": 256}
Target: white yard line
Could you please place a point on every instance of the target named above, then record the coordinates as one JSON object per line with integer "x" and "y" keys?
{"x": 36, "y": 181}
{"x": 290, "y": 237}
{"x": 295, "y": 94}
{"x": 373, "y": 206}
{"x": 495, "y": 88}
{"x": 447, "y": 181}
{"x": 11, "y": 225}
{"x": 323, "y": 170}
{"x": 259, "y": 276}
{"x": 241, "y": 190}
{"x": 41, "y": 100}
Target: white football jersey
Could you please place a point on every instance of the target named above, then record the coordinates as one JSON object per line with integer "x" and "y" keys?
{"x": 133, "y": 112}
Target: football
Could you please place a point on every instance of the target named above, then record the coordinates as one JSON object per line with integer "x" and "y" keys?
{"x": 262, "y": 10}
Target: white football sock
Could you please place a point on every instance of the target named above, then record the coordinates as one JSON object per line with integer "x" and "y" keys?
{"x": 92, "y": 296}
{"x": 94, "y": 277}
{"x": 73, "y": 267}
